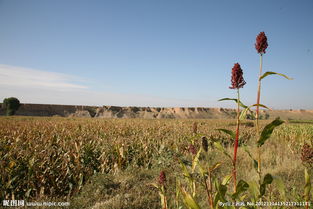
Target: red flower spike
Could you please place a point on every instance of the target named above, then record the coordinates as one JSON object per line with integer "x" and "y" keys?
{"x": 192, "y": 149}
{"x": 162, "y": 178}
{"x": 237, "y": 80}
{"x": 261, "y": 43}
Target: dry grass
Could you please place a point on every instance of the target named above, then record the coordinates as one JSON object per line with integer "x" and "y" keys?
{"x": 108, "y": 163}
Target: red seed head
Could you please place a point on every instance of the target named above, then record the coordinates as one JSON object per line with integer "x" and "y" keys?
{"x": 237, "y": 80}
{"x": 307, "y": 155}
{"x": 205, "y": 144}
{"x": 261, "y": 43}
{"x": 162, "y": 178}
{"x": 192, "y": 149}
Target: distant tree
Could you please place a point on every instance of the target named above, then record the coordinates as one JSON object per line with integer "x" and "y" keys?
{"x": 11, "y": 105}
{"x": 250, "y": 116}
{"x": 267, "y": 116}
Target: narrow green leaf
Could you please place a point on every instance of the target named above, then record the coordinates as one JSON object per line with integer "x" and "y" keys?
{"x": 195, "y": 161}
{"x": 307, "y": 187}
{"x": 215, "y": 166}
{"x": 244, "y": 112}
{"x": 221, "y": 148}
{"x": 260, "y": 105}
{"x": 186, "y": 173}
{"x": 229, "y": 132}
{"x": 155, "y": 185}
{"x": 268, "y": 130}
{"x": 262, "y": 189}
{"x": 274, "y": 73}
{"x": 255, "y": 162}
{"x": 226, "y": 179}
{"x": 233, "y": 99}
{"x": 185, "y": 170}
{"x": 242, "y": 186}
{"x": 202, "y": 171}
{"x": 222, "y": 189}
{"x": 189, "y": 201}
{"x": 268, "y": 179}
{"x": 220, "y": 194}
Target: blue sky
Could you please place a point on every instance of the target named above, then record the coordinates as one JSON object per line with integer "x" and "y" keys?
{"x": 154, "y": 52}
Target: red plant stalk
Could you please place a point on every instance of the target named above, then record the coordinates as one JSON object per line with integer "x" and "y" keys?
{"x": 260, "y": 45}
{"x": 257, "y": 115}
{"x": 237, "y": 82}
{"x": 236, "y": 144}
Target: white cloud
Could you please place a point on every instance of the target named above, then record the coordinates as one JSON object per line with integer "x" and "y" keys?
{"x": 41, "y": 87}
{"x": 30, "y": 78}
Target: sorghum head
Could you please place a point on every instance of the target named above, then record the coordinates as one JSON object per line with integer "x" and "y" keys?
{"x": 192, "y": 149}
{"x": 237, "y": 80}
{"x": 162, "y": 178}
{"x": 261, "y": 43}
{"x": 205, "y": 144}
{"x": 307, "y": 155}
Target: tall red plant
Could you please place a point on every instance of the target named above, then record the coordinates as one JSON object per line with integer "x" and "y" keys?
{"x": 260, "y": 45}
{"x": 237, "y": 82}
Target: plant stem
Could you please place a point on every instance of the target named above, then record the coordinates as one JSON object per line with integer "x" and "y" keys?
{"x": 164, "y": 203}
{"x": 257, "y": 117}
{"x": 236, "y": 142}
{"x": 209, "y": 189}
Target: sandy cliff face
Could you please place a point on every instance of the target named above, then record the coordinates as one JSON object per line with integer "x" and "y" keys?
{"x": 147, "y": 112}
{"x": 155, "y": 112}
{"x": 121, "y": 112}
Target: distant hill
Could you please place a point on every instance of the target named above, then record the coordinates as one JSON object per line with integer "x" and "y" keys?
{"x": 149, "y": 112}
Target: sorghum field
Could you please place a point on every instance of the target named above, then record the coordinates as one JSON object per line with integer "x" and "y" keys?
{"x": 131, "y": 163}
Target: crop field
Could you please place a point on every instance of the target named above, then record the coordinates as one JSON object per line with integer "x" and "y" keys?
{"x": 138, "y": 163}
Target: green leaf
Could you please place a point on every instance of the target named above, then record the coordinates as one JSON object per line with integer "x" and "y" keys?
{"x": 185, "y": 170}
{"x": 229, "y": 132}
{"x": 221, "y": 191}
{"x": 215, "y": 166}
{"x": 202, "y": 171}
{"x": 155, "y": 185}
{"x": 221, "y": 148}
{"x": 262, "y": 189}
{"x": 273, "y": 73}
{"x": 307, "y": 187}
{"x": 219, "y": 194}
{"x": 268, "y": 130}
{"x": 244, "y": 112}
{"x": 163, "y": 199}
{"x": 242, "y": 186}
{"x": 195, "y": 161}
{"x": 233, "y": 99}
{"x": 189, "y": 201}
{"x": 255, "y": 162}
{"x": 268, "y": 179}
{"x": 226, "y": 179}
